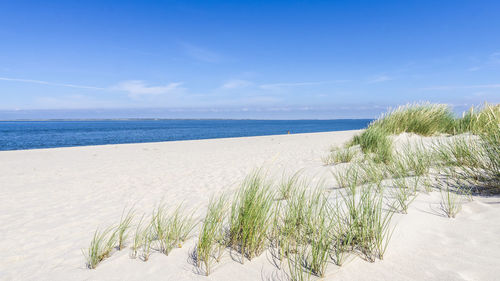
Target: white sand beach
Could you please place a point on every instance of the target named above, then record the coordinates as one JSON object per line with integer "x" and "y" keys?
{"x": 52, "y": 201}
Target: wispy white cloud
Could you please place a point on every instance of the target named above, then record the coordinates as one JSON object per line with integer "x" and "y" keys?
{"x": 137, "y": 88}
{"x": 134, "y": 88}
{"x": 51, "y": 83}
{"x": 200, "y": 53}
{"x": 380, "y": 78}
{"x": 458, "y": 87}
{"x": 297, "y": 84}
{"x": 236, "y": 84}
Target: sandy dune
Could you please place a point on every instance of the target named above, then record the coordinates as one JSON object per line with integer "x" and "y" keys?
{"x": 52, "y": 200}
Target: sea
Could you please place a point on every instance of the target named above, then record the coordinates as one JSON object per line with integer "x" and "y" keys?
{"x": 16, "y": 135}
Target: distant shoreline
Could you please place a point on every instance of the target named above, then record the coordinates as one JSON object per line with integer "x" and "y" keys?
{"x": 33, "y": 134}
{"x": 174, "y": 119}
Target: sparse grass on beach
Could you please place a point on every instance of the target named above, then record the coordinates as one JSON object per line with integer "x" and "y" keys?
{"x": 123, "y": 227}
{"x": 483, "y": 120}
{"x": 369, "y": 224}
{"x": 376, "y": 143}
{"x": 451, "y": 202}
{"x": 424, "y": 119}
{"x": 300, "y": 222}
{"x": 342, "y": 236}
{"x": 288, "y": 185}
{"x": 304, "y": 232}
{"x": 404, "y": 192}
{"x": 147, "y": 240}
{"x": 211, "y": 240}
{"x": 100, "y": 247}
{"x": 340, "y": 155}
{"x": 171, "y": 229}
{"x": 138, "y": 239}
{"x": 320, "y": 240}
{"x": 250, "y": 216}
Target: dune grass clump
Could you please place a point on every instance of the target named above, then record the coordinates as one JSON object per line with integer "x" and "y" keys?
{"x": 354, "y": 175}
{"x": 138, "y": 239}
{"x": 148, "y": 236}
{"x": 340, "y": 155}
{"x": 424, "y": 119}
{"x": 211, "y": 240}
{"x": 451, "y": 202}
{"x": 459, "y": 151}
{"x": 303, "y": 232}
{"x": 123, "y": 227}
{"x": 368, "y": 225}
{"x": 249, "y": 221}
{"x": 472, "y": 161}
{"x": 358, "y": 174}
{"x": 374, "y": 173}
{"x": 288, "y": 184}
{"x": 297, "y": 262}
{"x": 374, "y": 142}
{"x": 404, "y": 192}
{"x": 100, "y": 247}
{"x": 320, "y": 240}
{"x": 171, "y": 229}
{"x": 491, "y": 167}
{"x": 481, "y": 121}
{"x": 342, "y": 236}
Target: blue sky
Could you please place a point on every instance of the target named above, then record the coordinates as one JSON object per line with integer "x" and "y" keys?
{"x": 244, "y": 59}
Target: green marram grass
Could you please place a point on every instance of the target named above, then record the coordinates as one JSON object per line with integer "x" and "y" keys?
{"x": 288, "y": 184}
{"x": 424, "y": 119}
{"x": 138, "y": 239}
{"x": 123, "y": 227}
{"x": 171, "y": 229}
{"x": 404, "y": 192}
{"x": 250, "y": 216}
{"x": 101, "y": 246}
{"x": 482, "y": 120}
{"x": 339, "y": 155}
{"x": 211, "y": 240}
{"x": 148, "y": 236}
{"x": 451, "y": 202}
{"x": 368, "y": 224}
{"x": 375, "y": 143}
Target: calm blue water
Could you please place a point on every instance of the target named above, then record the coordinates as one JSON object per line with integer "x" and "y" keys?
{"x": 45, "y": 134}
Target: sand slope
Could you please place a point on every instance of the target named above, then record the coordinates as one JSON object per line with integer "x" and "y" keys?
{"x": 52, "y": 200}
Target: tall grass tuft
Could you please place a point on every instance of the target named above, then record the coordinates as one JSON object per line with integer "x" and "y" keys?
{"x": 320, "y": 239}
{"x": 421, "y": 118}
{"x": 304, "y": 232}
{"x": 340, "y": 155}
{"x": 148, "y": 237}
{"x": 375, "y": 142}
{"x": 480, "y": 121}
{"x": 138, "y": 239}
{"x": 368, "y": 225}
{"x": 123, "y": 227}
{"x": 461, "y": 151}
{"x": 211, "y": 240}
{"x": 171, "y": 229}
{"x": 101, "y": 245}
{"x": 424, "y": 119}
{"x": 473, "y": 162}
{"x": 404, "y": 192}
{"x": 288, "y": 184}
{"x": 250, "y": 216}
{"x": 342, "y": 235}
{"x": 451, "y": 202}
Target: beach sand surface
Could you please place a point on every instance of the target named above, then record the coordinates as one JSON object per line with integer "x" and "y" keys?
{"x": 52, "y": 201}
